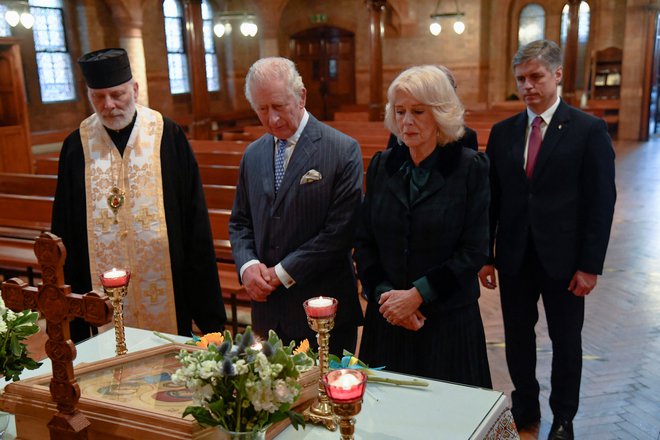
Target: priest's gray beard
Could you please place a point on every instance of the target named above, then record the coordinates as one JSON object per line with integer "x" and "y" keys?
{"x": 118, "y": 118}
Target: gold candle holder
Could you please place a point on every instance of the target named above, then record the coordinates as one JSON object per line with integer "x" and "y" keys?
{"x": 115, "y": 285}
{"x": 345, "y": 389}
{"x": 321, "y": 313}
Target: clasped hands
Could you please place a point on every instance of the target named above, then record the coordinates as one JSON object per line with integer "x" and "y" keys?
{"x": 401, "y": 307}
{"x": 260, "y": 281}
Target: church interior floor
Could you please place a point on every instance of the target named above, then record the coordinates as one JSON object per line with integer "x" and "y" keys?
{"x": 620, "y": 395}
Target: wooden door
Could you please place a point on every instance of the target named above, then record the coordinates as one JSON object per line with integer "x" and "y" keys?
{"x": 325, "y": 57}
{"x": 15, "y": 148}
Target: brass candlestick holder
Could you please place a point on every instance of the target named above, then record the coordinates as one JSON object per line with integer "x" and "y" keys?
{"x": 115, "y": 285}
{"x": 345, "y": 389}
{"x": 321, "y": 318}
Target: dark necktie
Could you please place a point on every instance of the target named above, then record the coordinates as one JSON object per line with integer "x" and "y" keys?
{"x": 534, "y": 145}
{"x": 279, "y": 163}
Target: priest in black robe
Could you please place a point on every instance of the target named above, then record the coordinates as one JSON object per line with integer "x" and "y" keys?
{"x": 129, "y": 196}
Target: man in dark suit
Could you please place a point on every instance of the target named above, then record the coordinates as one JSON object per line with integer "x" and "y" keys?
{"x": 553, "y": 195}
{"x": 298, "y": 194}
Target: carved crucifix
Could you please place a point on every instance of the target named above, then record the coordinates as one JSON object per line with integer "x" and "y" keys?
{"x": 54, "y": 300}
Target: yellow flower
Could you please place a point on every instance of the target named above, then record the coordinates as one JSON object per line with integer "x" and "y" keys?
{"x": 210, "y": 338}
{"x": 302, "y": 348}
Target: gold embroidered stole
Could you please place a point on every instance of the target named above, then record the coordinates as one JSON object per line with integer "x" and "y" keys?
{"x": 136, "y": 238}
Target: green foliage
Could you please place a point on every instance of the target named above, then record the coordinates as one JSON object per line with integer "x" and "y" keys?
{"x": 14, "y": 329}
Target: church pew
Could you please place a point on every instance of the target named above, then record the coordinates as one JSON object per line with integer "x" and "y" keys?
{"x": 26, "y": 212}
{"x": 219, "y": 174}
{"x": 45, "y": 164}
{"x": 227, "y": 158}
{"x": 17, "y": 258}
{"x": 210, "y": 146}
{"x": 28, "y": 184}
{"x": 219, "y": 196}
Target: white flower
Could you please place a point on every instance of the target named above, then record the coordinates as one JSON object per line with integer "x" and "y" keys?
{"x": 3, "y": 327}
{"x": 208, "y": 369}
{"x": 10, "y": 316}
{"x": 282, "y": 392}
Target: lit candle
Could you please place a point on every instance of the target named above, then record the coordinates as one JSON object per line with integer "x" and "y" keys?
{"x": 115, "y": 278}
{"x": 345, "y": 385}
{"x": 320, "y": 307}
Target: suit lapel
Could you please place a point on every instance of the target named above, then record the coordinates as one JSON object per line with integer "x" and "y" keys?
{"x": 555, "y": 131}
{"x": 398, "y": 188}
{"x": 300, "y": 159}
{"x": 266, "y": 165}
{"x": 518, "y": 144}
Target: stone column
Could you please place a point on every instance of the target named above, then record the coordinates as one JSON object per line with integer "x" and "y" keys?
{"x": 570, "y": 53}
{"x": 376, "y": 8}
{"x": 128, "y": 17}
{"x": 201, "y": 125}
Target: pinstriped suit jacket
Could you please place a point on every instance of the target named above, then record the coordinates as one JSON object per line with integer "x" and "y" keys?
{"x": 307, "y": 227}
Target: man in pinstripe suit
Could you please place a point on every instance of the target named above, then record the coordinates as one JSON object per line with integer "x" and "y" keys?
{"x": 291, "y": 227}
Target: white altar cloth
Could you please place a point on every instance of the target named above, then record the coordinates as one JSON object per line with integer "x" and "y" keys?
{"x": 441, "y": 411}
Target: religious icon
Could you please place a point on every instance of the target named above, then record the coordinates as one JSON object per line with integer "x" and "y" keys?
{"x": 115, "y": 200}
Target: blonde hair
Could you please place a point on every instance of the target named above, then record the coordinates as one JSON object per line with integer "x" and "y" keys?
{"x": 431, "y": 86}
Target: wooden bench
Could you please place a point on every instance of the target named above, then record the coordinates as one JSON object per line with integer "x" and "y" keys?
{"x": 219, "y": 196}
{"x": 46, "y": 164}
{"x": 229, "y": 158}
{"x": 219, "y": 174}
{"x": 28, "y": 184}
{"x": 208, "y": 146}
{"x": 50, "y": 136}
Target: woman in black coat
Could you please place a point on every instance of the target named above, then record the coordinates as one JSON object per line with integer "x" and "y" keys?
{"x": 423, "y": 236}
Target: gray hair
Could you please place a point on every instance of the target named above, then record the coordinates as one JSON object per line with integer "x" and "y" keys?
{"x": 269, "y": 69}
{"x": 429, "y": 85}
{"x": 546, "y": 51}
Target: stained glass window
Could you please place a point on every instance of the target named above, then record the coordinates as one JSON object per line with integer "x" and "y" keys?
{"x": 531, "y": 26}
{"x": 53, "y": 59}
{"x": 584, "y": 14}
{"x": 4, "y": 26}
{"x": 177, "y": 59}
{"x": 212, "y": 79}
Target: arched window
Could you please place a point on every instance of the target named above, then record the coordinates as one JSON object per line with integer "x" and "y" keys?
{"x": 177, "y": 60}
{"x": 212, "y": 79}
{"x": 531, "y": 26}
{"x": 584, "y": 15}
{"x": 53, "y": 59}
{"x": 4, "y": 26}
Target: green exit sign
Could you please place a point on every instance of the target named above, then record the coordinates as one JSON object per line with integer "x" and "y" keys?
{"x": 319, "y": 18}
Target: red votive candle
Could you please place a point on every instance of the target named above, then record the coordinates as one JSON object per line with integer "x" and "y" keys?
{"x": 345, "y": 386}
{"x": 320, "y": 307}
{"x": 115, "y": 278}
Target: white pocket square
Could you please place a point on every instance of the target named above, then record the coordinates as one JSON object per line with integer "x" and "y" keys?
{"x": 310, "y": 176}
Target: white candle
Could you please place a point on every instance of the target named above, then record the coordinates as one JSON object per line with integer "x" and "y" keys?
{"x": 345, "y": 381}
{"x": 320, "y": 307}
{"x": 115, "y": 278}
{"x": 319, "y": 302}
{"x": 115, "y": 273}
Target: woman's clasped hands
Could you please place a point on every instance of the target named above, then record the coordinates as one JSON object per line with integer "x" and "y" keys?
{"x": 401, "y": 307}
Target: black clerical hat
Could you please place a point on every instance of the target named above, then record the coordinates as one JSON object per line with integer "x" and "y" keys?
{"x": 105, "y": 68}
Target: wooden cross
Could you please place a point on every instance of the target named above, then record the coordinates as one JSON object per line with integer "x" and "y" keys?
{"x": 54, "y": 300}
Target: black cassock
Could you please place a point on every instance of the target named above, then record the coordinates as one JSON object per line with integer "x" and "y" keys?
{"x": 194, "y": 272}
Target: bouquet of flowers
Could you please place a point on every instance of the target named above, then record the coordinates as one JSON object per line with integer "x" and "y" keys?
{"x": 241, "y": 384}
{"x": 15, "y": 328}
